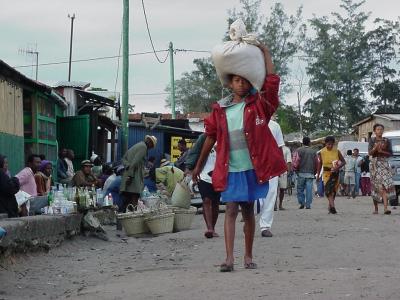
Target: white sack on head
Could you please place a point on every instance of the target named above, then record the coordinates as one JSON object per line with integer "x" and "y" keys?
{"x": 241, "y": 56}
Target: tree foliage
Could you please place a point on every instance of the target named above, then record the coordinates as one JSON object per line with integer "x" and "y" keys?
{"x": 197, "y": 90}
{"x": 280, "y": 31}
{"x": 385, "y": 88}
{"x": 288, "y": 118}
{"x": 352, "y": 71}
{"x": 348, "y": 64}
{"x": 339, "y": 65}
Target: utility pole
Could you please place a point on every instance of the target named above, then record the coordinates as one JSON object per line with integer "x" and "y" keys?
{"x": 70, "y": 44}
{"x": 171, "y": 68}
{"x": 125, "y": 75}
{"x": 300, "y": 121}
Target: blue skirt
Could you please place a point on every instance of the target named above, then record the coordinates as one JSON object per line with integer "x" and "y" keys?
{"x": 243, "y": 187}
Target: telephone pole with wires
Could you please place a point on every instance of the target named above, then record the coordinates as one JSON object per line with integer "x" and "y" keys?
{"x": 72, "y": 17}
{"x": 125, "y": 75}
{"x": 172, "y": 78}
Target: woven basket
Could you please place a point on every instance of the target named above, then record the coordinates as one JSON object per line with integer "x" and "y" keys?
{"x": 183, "y": 218}
{"x": 133, "y": 222}
{"x": 160, "y": 223}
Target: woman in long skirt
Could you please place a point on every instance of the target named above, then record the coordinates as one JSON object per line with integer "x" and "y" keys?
{"x": 330, "y": 160}
{"x": 380, "y": 149}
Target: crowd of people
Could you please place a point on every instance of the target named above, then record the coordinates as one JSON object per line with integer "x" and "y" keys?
{"x": 241, "y": 160}
{"x": 124, "y": 180}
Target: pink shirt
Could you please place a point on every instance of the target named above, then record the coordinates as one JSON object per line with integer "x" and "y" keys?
{"x": 27, "y": 181}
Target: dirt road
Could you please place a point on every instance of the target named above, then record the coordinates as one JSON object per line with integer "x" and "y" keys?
{"x": 313, "y": 255}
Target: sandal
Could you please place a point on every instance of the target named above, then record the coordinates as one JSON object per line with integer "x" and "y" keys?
{"x": 209, "y": 234}
{"x": 225, "y": 268}
{"x": 387, "y": 212}
{"x": 250, "y": 266}
{"x": 375, "y": 212}
{"x": 332, "y": 210}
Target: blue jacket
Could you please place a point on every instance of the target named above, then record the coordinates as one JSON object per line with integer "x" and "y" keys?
{"x": 62, "y": 169}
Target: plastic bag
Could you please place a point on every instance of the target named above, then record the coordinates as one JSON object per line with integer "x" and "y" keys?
{"x": 181, "y": 197}
{"x": 240, "y": 56}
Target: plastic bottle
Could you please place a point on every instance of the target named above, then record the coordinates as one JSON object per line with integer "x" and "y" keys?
{"x": 99, "y": 197}
{"x": 146, "y": 192}
{"x": 50, "y": 197}
{"x": 87, "y": 198}
{"x": 110, "y": 200}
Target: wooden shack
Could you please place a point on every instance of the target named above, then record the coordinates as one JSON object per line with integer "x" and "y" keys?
{"x": 29, "y": 111}
{"x": 364, "y": 128}
{"x": 11, "y": 120}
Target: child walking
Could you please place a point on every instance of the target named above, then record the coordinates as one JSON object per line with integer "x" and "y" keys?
{"x": 247, "y": 154}
{"x": 350, "y": 174}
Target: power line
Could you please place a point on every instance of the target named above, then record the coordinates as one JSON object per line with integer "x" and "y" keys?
{"x": 149, "y": 94}
{"x": 108, "y": 57}
{"x": 191, "y": 50}
{"x": 151, "y": 40}
{"x": 89, "y": 59}
{"x": 131, "y": 54}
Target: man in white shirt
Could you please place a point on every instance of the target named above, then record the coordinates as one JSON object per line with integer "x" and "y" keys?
{"x": 283, "y": 178}
{"x": 267, "y": 204}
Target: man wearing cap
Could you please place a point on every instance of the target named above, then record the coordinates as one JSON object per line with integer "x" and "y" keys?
{"x": 84, "y": 177}
{"x": 134, "y": 160}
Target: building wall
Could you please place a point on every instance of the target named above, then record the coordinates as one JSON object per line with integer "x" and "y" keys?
{"x": 40, "y": 124}
{"x": 12, "y": 146}
{"x": 365, "y": 129}
{"x": 137, "y": 134}
{"x": 70, "y": 96}
{"x": 11, "y": 124}
{"x": 11, "y": 121}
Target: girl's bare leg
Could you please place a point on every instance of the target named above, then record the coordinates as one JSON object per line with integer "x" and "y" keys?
{"x": 231, "y": 213}
{"x": 248, "y": 229}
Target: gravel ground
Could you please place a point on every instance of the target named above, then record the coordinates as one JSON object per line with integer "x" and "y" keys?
{"x": 312, "y": 255}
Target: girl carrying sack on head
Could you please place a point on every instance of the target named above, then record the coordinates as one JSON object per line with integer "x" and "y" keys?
{"x": 247, "y": 154}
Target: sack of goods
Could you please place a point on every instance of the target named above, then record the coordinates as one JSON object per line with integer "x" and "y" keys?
{"x": 240, "y": 56}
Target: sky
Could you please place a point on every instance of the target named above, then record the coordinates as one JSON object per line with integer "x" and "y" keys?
{"x": 199, "y": 25}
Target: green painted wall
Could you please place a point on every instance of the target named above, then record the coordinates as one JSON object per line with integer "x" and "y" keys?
{"x": 13, "y": 147}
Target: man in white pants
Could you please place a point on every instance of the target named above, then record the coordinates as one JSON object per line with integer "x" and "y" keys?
{"x": 267, "y": 204}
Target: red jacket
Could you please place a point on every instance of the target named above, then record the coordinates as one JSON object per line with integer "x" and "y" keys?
{"x": 265, "y": 155}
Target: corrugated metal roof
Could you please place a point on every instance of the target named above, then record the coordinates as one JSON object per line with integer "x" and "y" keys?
{"x": 107, "y": 94}
{"x": 58, "y": 98}
{"x": 7, "y": 71}
{"x": 94, "y": 98}
{"x": 73, "y": 84}
{"x": 392, "y": 117}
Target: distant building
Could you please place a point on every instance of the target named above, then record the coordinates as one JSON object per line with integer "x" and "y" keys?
{"x": 91, "y": 121}
{"x": 364, "y": 128}
{"x": 168, "y": 132}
